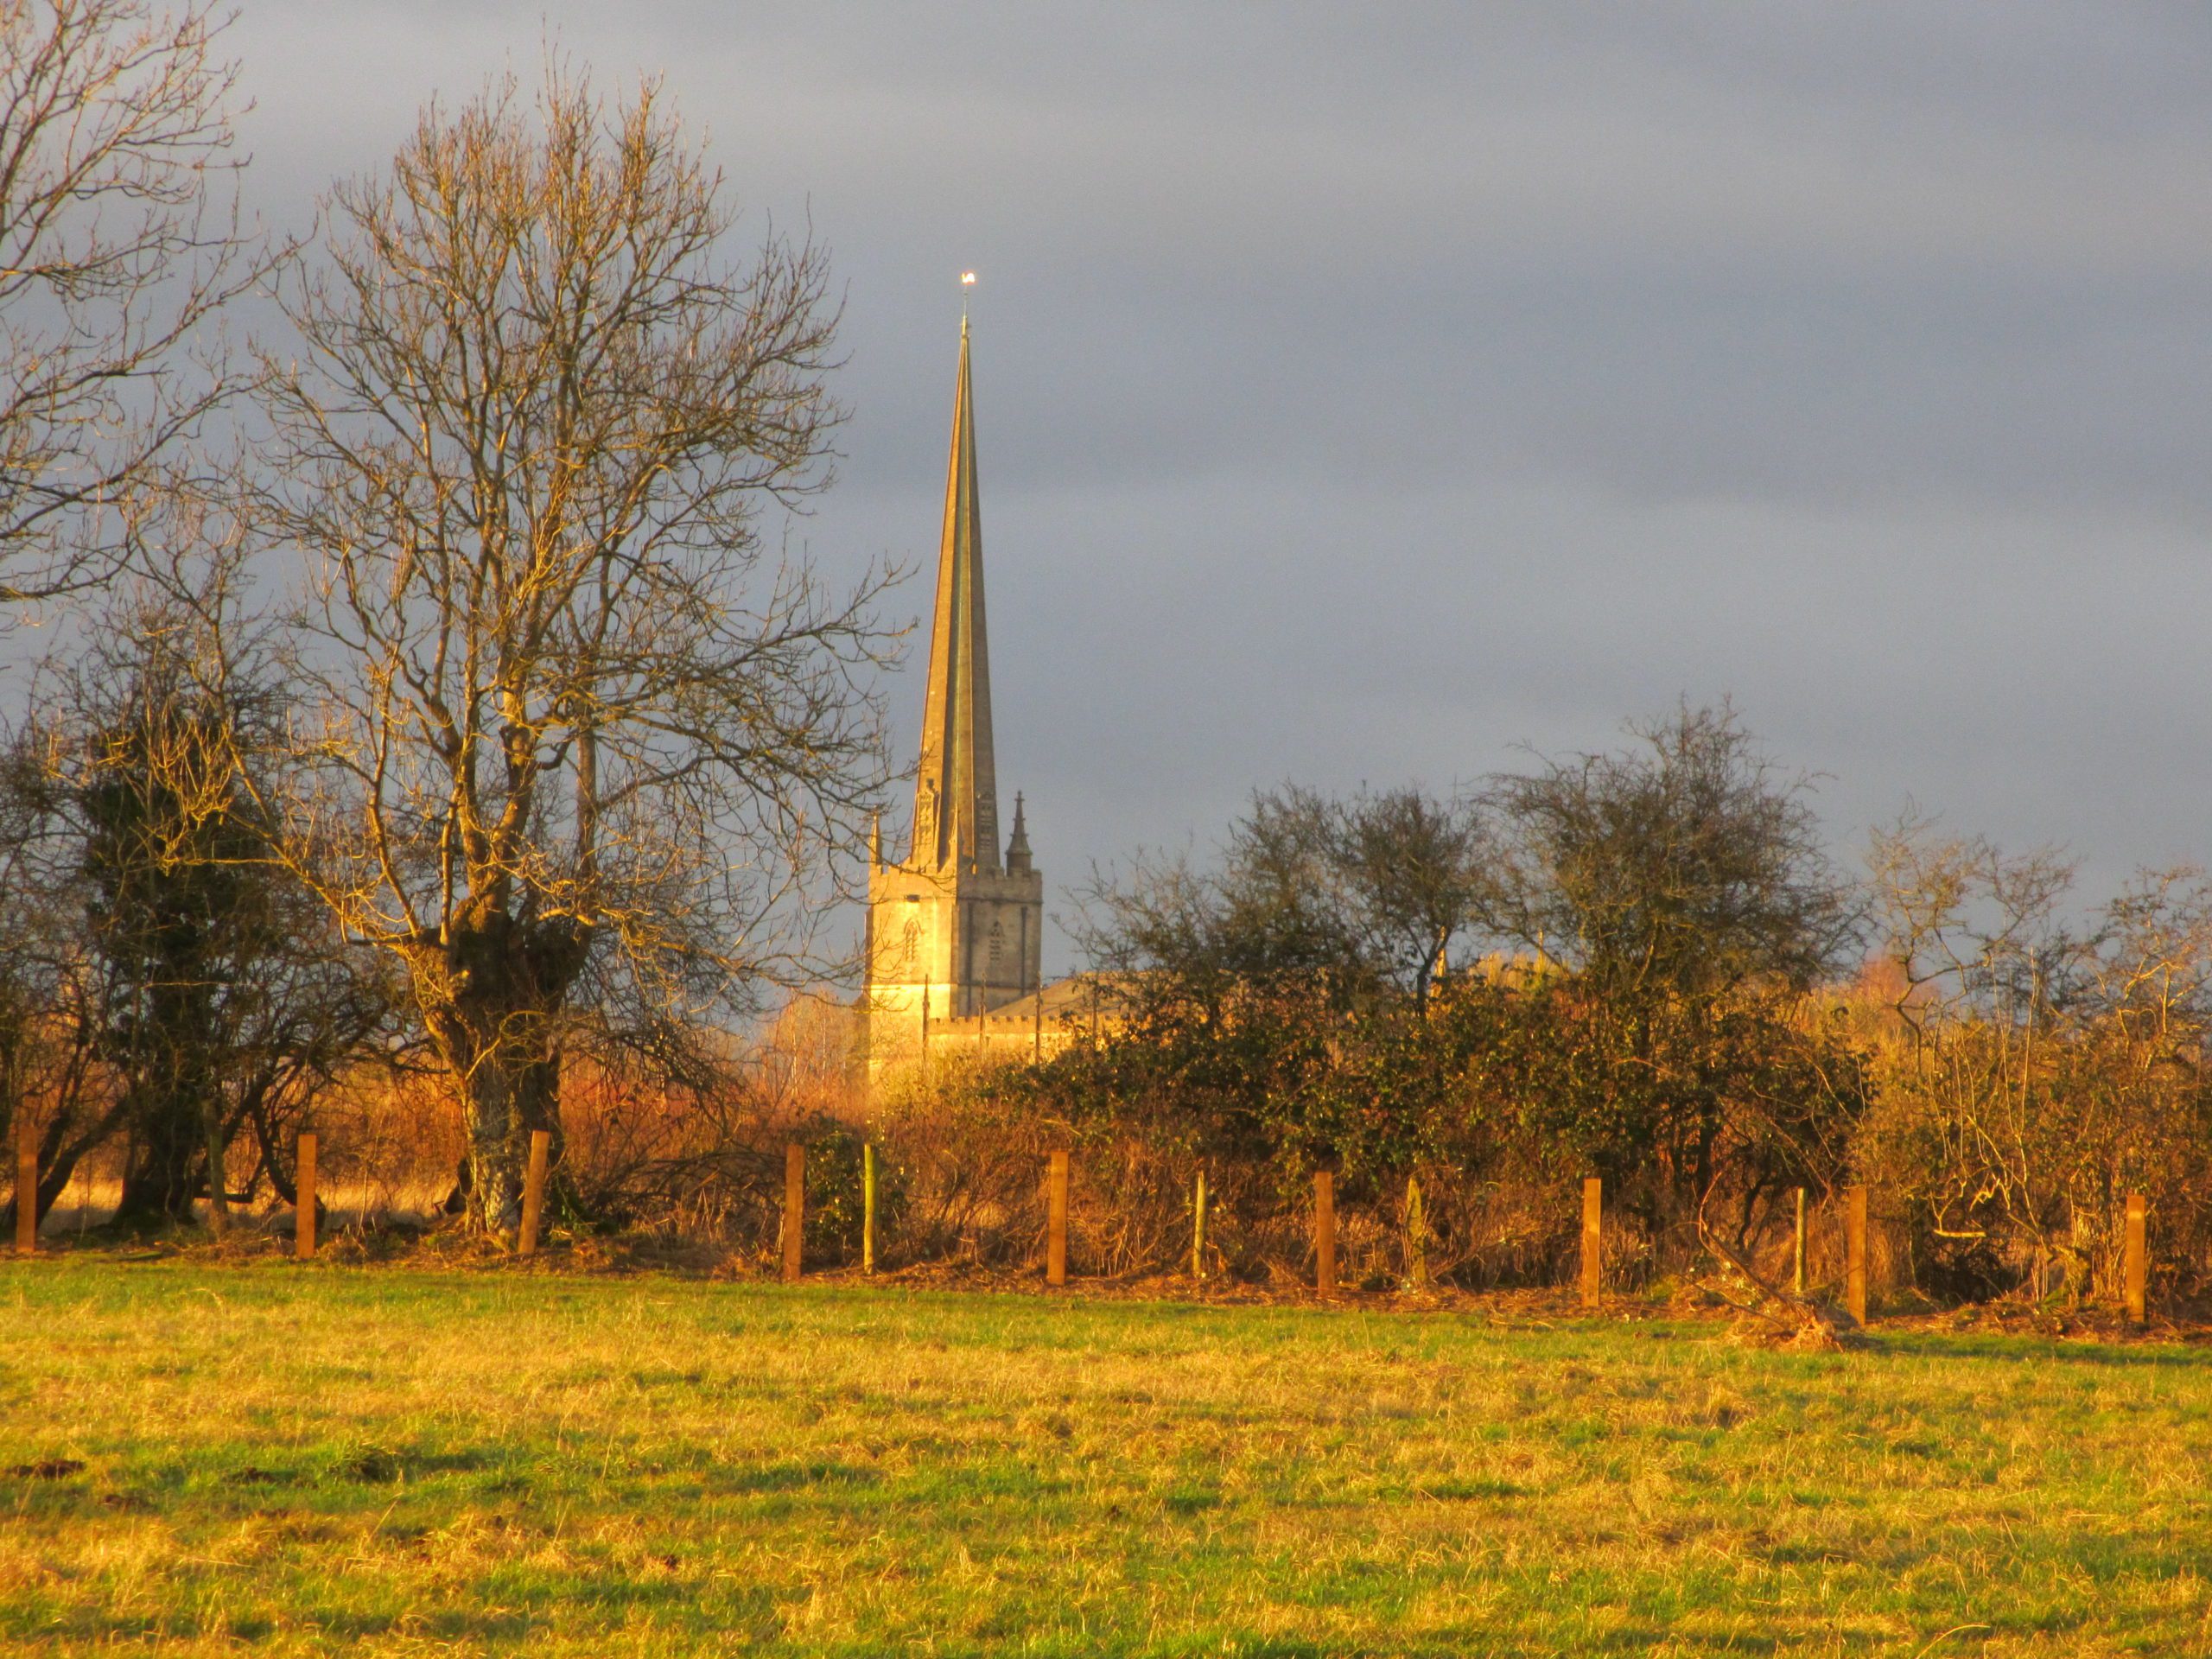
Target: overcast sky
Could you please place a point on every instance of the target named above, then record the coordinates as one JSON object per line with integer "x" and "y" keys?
{"x": 1364, "y": 391}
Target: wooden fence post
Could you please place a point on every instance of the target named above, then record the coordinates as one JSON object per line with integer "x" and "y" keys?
{"x": 1324, "y": 1232}
{"x": 794, "y": 1210}
{"x": 1797, "y": 1276}
{"x": 303, "y": 1196}
{"x": 218, "y": 1203}
{"x": 26, "y": 1182}
{"x": 1198, "y": 1228}
{"x": 1593, "y": 1239}
{"x": 1416, "y": 1237}
{"x": 2137, "y": 1273}
{"x": 867, "y": 1206}
{"x": 1056, "y": 1219}
{"x": 1854, "y": 1254}
{"x": 533, "y": 1191}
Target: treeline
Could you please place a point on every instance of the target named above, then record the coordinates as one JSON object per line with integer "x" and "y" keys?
{"x": 1644, "y": 965}
{"x": 413, "y": 724}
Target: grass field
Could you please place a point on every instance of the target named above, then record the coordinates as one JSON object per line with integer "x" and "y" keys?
{"x": 282, "y": 1460}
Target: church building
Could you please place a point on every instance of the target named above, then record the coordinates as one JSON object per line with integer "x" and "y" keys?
{"x": 955, "y": 928}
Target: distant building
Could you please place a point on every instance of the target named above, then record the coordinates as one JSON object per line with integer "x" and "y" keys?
{"x": 955, "y": 928}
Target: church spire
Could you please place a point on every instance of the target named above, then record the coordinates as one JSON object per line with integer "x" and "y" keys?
{"x": 955, "y": 793}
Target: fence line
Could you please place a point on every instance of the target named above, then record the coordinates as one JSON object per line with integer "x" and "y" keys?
{"x": 1056, "y": 1220}
{"x": 1324, "y": 1232}
{"x": 1854, "y": 1254}
{"x": 303, "y": 1196}
{"x": 533, "y": 1191}
{"x": 794, "y": 1211}
{"x": 868, "y": 1207}
{"x": 1593, "y": 1239}
{"x": 2136, "y": 1275}
{"x": 1797, "y": 1247}
{"x": 1856, "y": 1235}
{"x": 26, "y": 1185}
{"x": 1198, "y": 1227}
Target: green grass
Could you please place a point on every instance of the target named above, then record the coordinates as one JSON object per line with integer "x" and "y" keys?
{"x": 280, "y": 1459}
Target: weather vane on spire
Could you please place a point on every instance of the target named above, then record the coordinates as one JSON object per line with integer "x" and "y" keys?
{"x": 967, "y": 281}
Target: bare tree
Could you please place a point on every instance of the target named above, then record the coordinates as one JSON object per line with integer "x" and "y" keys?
{"x": 1690, "y": 864}
{"x": 1416, "y": 873}
{"x": 1684, "y": 886}
{"x": 154, "y": 912}
{"x": 2038, "y": 1065}
{"x": 54, "y": 985}
{"x": 118, "y": 245}
{"x": 582, "y": 737}
{"x": 1364, "y": 891}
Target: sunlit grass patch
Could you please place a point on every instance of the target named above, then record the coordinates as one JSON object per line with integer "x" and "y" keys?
{"x": 283, "y": 1460}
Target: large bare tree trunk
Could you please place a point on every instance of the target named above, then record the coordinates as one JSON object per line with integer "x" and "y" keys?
{"x": 504, "y": 1101}
{"x": 160, "y": 1175}
{"x": 498, "y": 1100}
{"x": 493, "y": 999}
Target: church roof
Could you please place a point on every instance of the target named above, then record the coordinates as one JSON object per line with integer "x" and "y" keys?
{"x": 956, "y": 792}
{"x": 1070, "y": 1002}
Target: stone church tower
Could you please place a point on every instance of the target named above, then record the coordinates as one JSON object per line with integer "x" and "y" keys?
{"x": 954, "y": 930}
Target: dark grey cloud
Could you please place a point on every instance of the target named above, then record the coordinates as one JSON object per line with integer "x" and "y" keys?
{"x": 1363, "y": 390}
